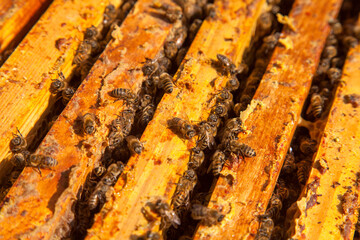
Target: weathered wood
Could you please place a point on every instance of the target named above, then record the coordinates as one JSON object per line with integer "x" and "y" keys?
{"x": 322, "y": 209}
{"x": 40, "y": 207}
{"x": 16, "y": 18}
{"x": 156, "y": 171}
{"x": 26, "y": 76}
{"x": 271, "y": 120}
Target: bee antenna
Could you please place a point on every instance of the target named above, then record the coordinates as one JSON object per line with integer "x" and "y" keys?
{"x": 19, "y": 132}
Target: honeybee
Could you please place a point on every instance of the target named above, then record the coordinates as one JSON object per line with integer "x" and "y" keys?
{"x": 186, "y": 184}
{"x": 316, "y": 105}
{"x": 234, "y": 125}
{"x": 99, "y": 171}
{"x": 91, "y": 33}
{"x": 194, "y": 28}
{"x": 217, "y": 162}
{"x": 196, "y": 158}
{"x": 349, "y": 42}
{"x": 334, "y": 75}
{"x": 303, "y": 169}
{"x": 181, "y": 127}
{"x": 109, "y": 15}
{"x": 172, "y": 14}
{"x": 265, "y": 230}
{"x": 20, "y": 159}
{"x": 281, "y": 190}
{"x": 146, "y": 236}
{"x": 115, "y": 138}
{"x": 67, "y": 94}
{"x": 214, "y": 119}
{"x": 324, "y": 66}
{"x": 166, "y": 82}
{"x": 226, "y": 63}
{"x": 307, "y": 145}
{"x": 146, "y": 115}
{"x": 289, "y": 164}
{"x": 275, "y": 207}
{"x": 264, "y": 24}
{"x": 41, "y": 161}
{"x": 84, "y": 50}
{"x": 168, "y": 216}
{"x": 221, "y": 109}
{"x": 336, "y": 27}
{"x": 150, "y": 67}
{"x": 18, "y": 143}
{"x": 13, "y": 176}
{"x": 89, "y": 123}
{"x": 207, "y": 216}
{"x": 331, "y": 40}
{"x": 145, "y": 100}
{"x": 205, "y": 137}
{"x": 58, "y": 84}
{"x": 329, "y": 52}
{"x": 123, "y": 93}
{"x": 134, "y": 144}
{"x": 241, "y": 148}
{"x": 170, "y": 49}
{"x": 233, "y": 83}
{"x": 102, "y": 192}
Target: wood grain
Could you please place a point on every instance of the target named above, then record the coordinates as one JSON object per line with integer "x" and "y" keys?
{"x": 40, "y": 207}
{"x": 336, "y": 167}
{"x": 156, "y": 171}
{"x": 26, "y": 76}
{"x": 271, "y": 122}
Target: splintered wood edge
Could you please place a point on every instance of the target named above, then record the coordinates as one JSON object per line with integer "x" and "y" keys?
{"x": 26, "y": 76}
{"x": 336, "y": 167}
{"x": 16, "y": 18}
{"x": 40, "y": 207}
{"x": 271, "y": 122}
{"x": 155, "y": 172}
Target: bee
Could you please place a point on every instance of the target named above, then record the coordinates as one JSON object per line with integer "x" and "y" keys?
{"x": 308, "y": 145}
{"x": 145, "y": 100}
{"x": 99, "y": 171}
{"x": 316, "y": 105}
{"x": 185, "y": 185}
{"x": 91, "y": 33}
{"x": 134, "y": 144}
{"x": 196, "y": 158}
{"x": 224, "y": 95}
{"x": 109, "y": 15}
{"x": 89, "y": 123}
{"x": 146, "y": 236}
{"x": 170, "y": 49}
{"x": 18, "y": 143}
{"x": 181, "y": 127}
{"x": 192, "y": 9}
{"x": 233, "y": 83}
{"x": 166, "y": 82}
{"x": 281, "y": 190}
{"x": 234, "y": 125}
{"x": 214, "y": 119}
{"x": 58, "y": 84}
{"x": 84, "y": 51}
{"x": 265, "y": 230}
{"x": 123, "y": 93}
{"x": 217, "y": 162}
{"x": 334, "y": 75}
{"x": 331, "y": 40}
{"x": 221, "y": 109}
{"x": 67, "y": 94}
{"x": 20, "y": 159}
{"x": 146, "y": 115}
{"x": 330, "y": 52}
{"x": 194, "y": 28}
{"x": 210, "y": 10}
{"x": 164, "y": 63}
{"x": 241, "y": 148}
{"x": 168, "y": 216}
{"x": 205, "y": 137}
{"x": 207, "y": 216}
{"x": 170, "y": 13}
{"x": 150, "y": 67}
{"x": 336, "y": 27}
{"x": 264, "y": 24}
{"x": 41, "y": 161}
{"x": 289, "y": 164}
{"x": 303, "y": 171}
{"x": 226, "y": 63}
{"x": 324, "y": 66}
{"x": 13, "y": 176}
{"x": 275, "y": 207}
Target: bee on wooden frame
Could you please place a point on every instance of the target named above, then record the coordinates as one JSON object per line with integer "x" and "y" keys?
{"x": 18, "y": 143}
{"x": 89, "y": 122}
{"x": 182, "y": 127}
{"x": 207, "y": 216}
{"x": 58, "y": 84}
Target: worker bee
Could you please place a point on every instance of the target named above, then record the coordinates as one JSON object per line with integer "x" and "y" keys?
{"x": 185, "y": 185}
{"x": 336, "y": 27}
{"x": 217, "y": 162}
{"x": 168, "y": 216}
{"x": 224, "y": 95}
{"x": 181, "y": 127}
{"x": 20, "y": 159}
{"x": 146, "y": 115}
{"x": 145, "y": 100}
{"x": 196, "y": 158}
{"x": 329, "y": 52}
{"x": 88, "y": 121}
{"x": 123, "y": 93}
{"x": 194, "y": 28}
{"x": 323, "y": 67}
{"x": 241, "y": 148}
{"x": 134, "y": 144}
{"x": 67, "y": 94}
{"x": 307, "y": 146}
{"x": 281, "y": 190}
{"x": 166, "y": 82}
{"x": 205, "y": 137}
{"x": 58, "y": 84}
{"x": 264, "y": 24}
{"x": 214, "y": 119}
{"x": 41, "y": 161}
{"x": 18, "y": 143}
{"x": 109, "y": 15}
{"x": 303, "y": 169}
{"x": 316, "y": 105}
{"x": 91, "y": 33}
{"x": 99, "y": 171}
{"x": 83, "y": 52}
{"x": 207, "y": 216}
{"x": 150, "y": 67}
{"x": 227, "y": 64}
{"x": 275, "y": 207}
{"x": 170, "y": 49}
{"x": 233, "y": 83}
{"x": 172, "y": 14}
{"x": 234, "y": 125}
{"x": 265, "y": 230}
{"x": 289, "y": 164}
{"x": 334, "y": 75}
{"x": 221, "y": 109}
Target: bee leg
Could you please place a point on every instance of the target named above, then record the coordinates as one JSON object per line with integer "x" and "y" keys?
{"x": 38, "y": 170}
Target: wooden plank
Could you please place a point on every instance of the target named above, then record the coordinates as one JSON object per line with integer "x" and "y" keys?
{"x": 16, "y": 18}
{"x": 40, "y": 207}
{"x": 153, "y": 174}
{"x": 271, "y": 119}
{"x": 26, "y": 76}
{"x": 328, "y": 207}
